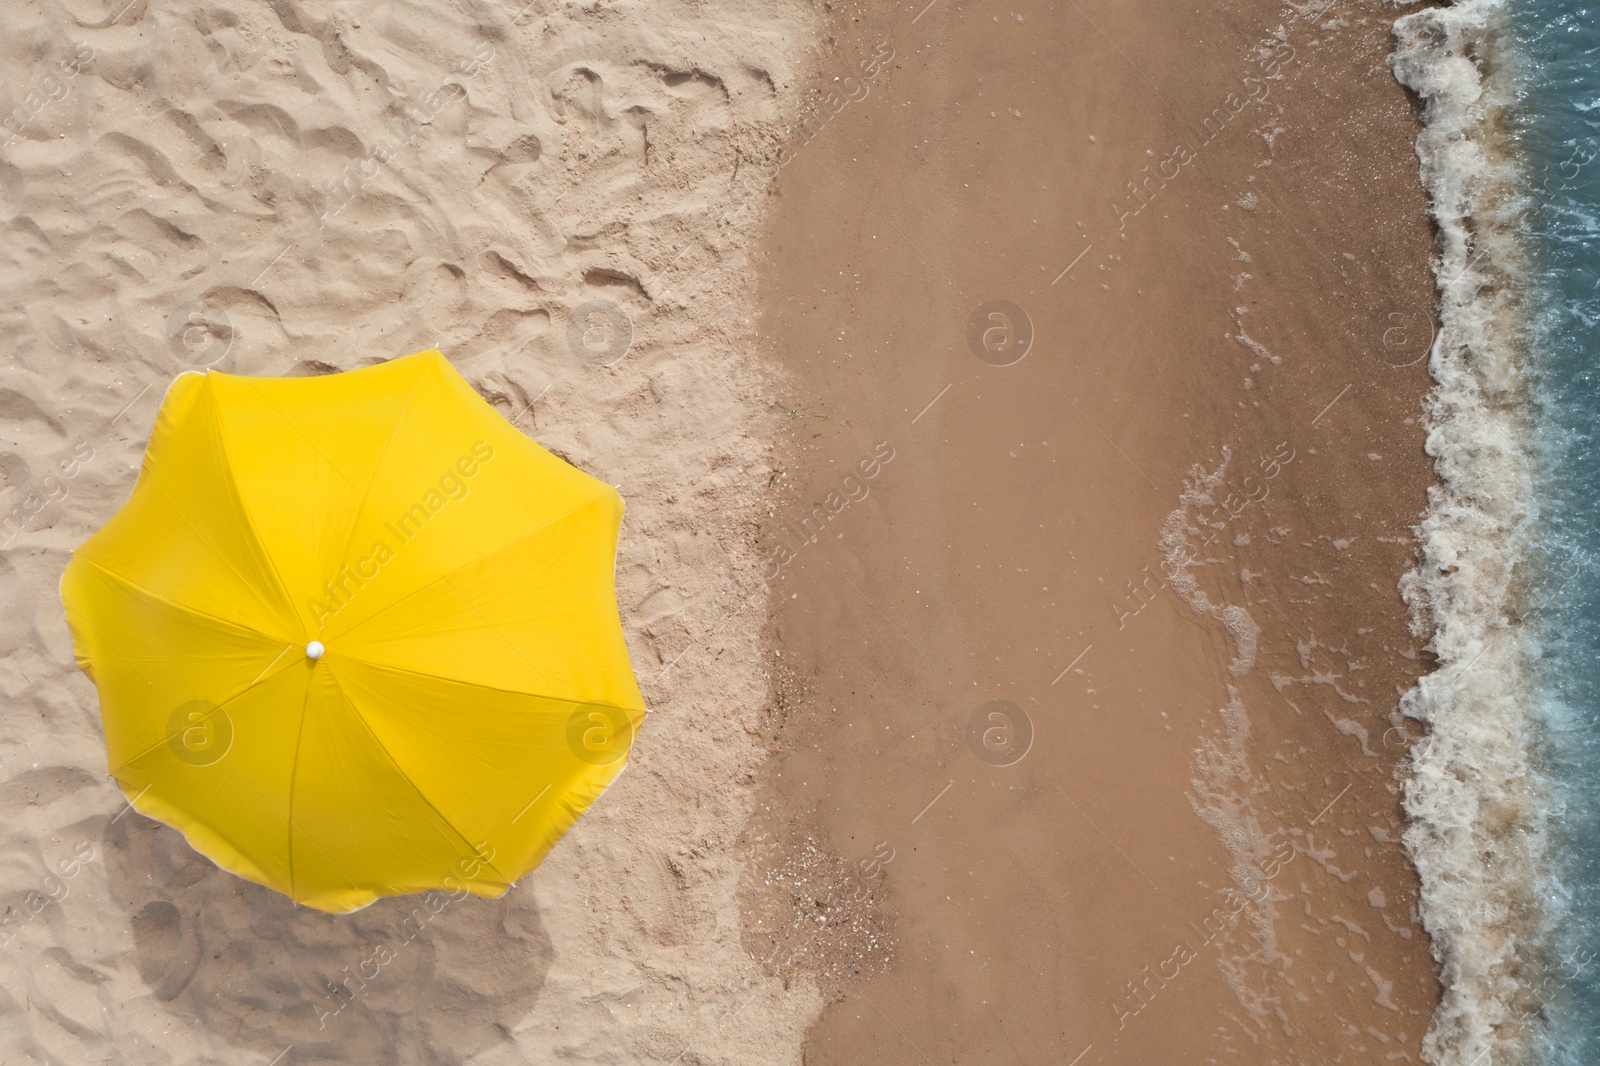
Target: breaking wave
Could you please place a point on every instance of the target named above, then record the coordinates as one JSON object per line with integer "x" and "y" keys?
{"x": 1480, "y": 831}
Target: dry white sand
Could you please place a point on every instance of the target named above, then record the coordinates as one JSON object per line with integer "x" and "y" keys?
{"x": 296, "y": 188}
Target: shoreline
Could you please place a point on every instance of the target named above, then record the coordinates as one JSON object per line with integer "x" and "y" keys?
{"x": 1035, "y": 560}
{"x": 1480, "y": 803}
{"x": 1153, "y": 516}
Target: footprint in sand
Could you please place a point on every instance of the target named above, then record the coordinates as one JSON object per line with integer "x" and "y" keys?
{"x": 168, "y": 949}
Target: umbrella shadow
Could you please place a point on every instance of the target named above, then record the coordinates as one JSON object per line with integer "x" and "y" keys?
{"x": 411, "y": 979}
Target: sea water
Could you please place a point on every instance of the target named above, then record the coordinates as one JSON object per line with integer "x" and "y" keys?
{"x": 1553, "y": 48}
{"x": 1505, "y": 786}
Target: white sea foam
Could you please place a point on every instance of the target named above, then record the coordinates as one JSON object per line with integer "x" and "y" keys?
{"x": 1222, "y": 782}
{"x": 1179, "y": 563}
{"x": 1479, "y": 821}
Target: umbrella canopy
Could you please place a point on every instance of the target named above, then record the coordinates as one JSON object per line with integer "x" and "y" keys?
{"x": 356, "y": 636}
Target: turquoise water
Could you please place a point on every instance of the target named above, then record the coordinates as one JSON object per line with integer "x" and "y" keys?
{"x": 1504, "y": 796}
{"x": 1557, "y": 136}
{"x": 1556, "y": 133}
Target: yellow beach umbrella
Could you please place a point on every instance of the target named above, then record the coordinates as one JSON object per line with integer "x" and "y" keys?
{"x": 356, "y": 636}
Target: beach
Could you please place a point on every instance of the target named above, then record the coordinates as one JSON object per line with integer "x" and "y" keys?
{"x": 1108, "y": 657}
{"x": 555, "y": 199}
{"x": 1020, "y": 415}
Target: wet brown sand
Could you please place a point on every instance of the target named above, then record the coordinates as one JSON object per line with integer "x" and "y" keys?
{"x": 1169, "y": 844}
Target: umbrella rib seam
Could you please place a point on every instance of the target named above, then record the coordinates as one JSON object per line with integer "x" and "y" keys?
{"x": 160, "y": 489}
{"x": 260, "y": 544}
{"x": 294, "y": 774}
{"x": 279, "y": 411}
{"x": 407, "y": 778}
{"x": 355, "y": 519}
{"x": 490, "y": 688}
{"x": 487, "y": 555}
{"x": 483, "y": 762}
{"x": 180, "y": 606}
{"x": 231, "y": 699}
